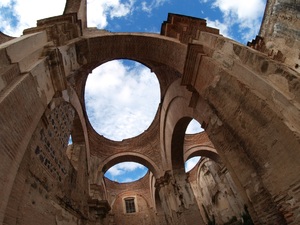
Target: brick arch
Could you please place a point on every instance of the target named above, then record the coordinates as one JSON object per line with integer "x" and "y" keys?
{"x": 236, "y": 84}
{"x": 177, "y": 153}
{"x": 175, "y": 117}
{"x": 150, "y": 49}
{"x": 203, "y": 151}
{"x": 79, "y": 130}
{"x": 130, "y": 156}
{"x": 164, "y": 56}
{"x": 199, "y": 144}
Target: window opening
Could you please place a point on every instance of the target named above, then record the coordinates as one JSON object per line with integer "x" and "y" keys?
{"x": 130, "y": 205}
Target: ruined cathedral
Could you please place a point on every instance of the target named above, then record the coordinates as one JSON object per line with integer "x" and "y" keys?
{"x": 246, "y": 98}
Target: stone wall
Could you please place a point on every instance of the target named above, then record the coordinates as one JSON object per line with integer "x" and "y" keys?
{"x": 47, "y": 188}
{"x": 246, "y": 100}
{"x": 138, "y": 190}
{"x": 215, "y": 192}
{"x": 280, "y": 32}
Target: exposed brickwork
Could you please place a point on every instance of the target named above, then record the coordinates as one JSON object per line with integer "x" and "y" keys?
{"x": 140, "y": 190}
{"x": 46, "y": 173}
{"x": 247, "y": 103}
{"x": 60, "y": 29}
{"x": 54, "y": 135}
{"x": 185, "y": 28}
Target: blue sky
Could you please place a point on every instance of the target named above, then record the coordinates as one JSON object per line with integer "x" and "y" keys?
{"x": 129, "y": 83}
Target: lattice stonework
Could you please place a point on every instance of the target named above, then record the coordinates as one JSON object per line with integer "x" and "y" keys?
{"x": 50, "y": 141}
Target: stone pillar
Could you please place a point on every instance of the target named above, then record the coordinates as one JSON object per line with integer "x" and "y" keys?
{"x": 177, "y": 198}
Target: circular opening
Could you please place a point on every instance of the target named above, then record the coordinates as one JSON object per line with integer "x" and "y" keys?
{"x": 191, "y": 163}
{"x": 194, "y": 127}
{"x": 121, "y": 98}
{"x": 126, "y": 172}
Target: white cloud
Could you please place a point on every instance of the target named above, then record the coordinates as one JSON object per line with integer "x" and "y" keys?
{"x": 244, "y": 11}
{"x": 246, "y": 15}
{"x": 148, "y": 7}
{"x": 121, "y": 100}
{"x": 122, "y": 168}
{"x": 26, "y": 15}
{"x": 223, "y": 27}
{"x": 99, "y": 11}
{"x": 5, "y": 3}
{"x": 190, "y": 164}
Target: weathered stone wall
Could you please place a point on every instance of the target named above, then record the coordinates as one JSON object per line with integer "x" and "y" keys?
{"x": 247, "y": 102}
{"x": 280, "y": 31}
{"x": 47, "y": 188}
{"x": 177, "y": 199}
{"x": 140, "y": 190}
{"x": 25, "y": 91}
{"x": 144, "y": 214}
{"x": 216, "y": 194}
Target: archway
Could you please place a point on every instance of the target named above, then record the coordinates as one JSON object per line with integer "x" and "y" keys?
{"x": 132, "y": 157}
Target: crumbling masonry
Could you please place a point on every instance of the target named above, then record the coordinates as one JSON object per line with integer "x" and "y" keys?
{"x": 247, "y": 99}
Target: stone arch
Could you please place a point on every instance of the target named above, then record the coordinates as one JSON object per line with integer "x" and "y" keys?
{"x": 203, "y": 151}
{"x": 162, "y": 55}
{"x": 129, "y": 156}
{"x": 175, "y": 117}
{"x": 177, "y": 152}
{"x": 102, "y": 46}
{"x": 233, "y": 83}
{"x": 79, "y": 131}
{"x": 211, "y": 119}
